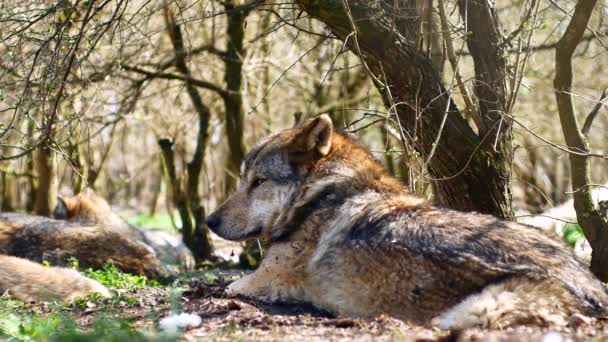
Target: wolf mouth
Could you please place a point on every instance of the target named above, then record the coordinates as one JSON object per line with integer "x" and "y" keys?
{"x": 254, "y": 233}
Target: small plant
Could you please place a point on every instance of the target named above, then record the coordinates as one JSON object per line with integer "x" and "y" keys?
{"x": 73, "y": 263}
{"x": 85, "y": 301}
{"x": 111, "y": 276}
{"x": 572, "y": 233}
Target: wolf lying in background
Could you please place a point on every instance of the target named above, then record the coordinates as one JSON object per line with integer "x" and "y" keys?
{"x": 40, "y": 238}
{"x": 30, "y": 281}
{"x": 88, "y": 207}
{"x": 346, "y": 236}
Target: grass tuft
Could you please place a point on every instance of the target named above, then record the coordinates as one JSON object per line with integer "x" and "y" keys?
{"x": 113, "y": 277}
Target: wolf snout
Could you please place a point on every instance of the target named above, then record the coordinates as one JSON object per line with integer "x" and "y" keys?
{"x": 213, "y": 221}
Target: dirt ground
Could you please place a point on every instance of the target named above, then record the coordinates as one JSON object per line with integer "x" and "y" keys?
{"x": 241, "y": 319}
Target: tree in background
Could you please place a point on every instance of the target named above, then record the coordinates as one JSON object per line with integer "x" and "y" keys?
{"x": 591, "y": 218}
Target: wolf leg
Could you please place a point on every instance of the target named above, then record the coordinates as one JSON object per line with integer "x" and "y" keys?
{"x": 280, "y": 276}
{"x": 516, "y": 301}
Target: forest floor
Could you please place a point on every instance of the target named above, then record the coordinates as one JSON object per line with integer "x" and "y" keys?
{"x": 136, "y": 314}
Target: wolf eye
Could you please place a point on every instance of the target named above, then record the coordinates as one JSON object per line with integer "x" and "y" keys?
{"x": 257, "y": 182}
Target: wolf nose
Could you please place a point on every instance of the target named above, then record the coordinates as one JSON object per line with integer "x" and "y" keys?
{"x": 213, "y": 220}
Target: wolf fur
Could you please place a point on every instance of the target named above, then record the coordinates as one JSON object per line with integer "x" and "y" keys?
{"x": 348, "y": 237}
{"x": 30, "y": 281}
{"x": 88, "y": 207}
{"x": 40, "y": 238}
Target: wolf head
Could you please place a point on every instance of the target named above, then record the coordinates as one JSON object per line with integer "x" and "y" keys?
{"x": 87, "y": 207}
{"x": 295, "y": 168}
{"x": 270, "y": 175}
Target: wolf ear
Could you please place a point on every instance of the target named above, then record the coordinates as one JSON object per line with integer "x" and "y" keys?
{"x": 60, "y": 212}
{"x": 65, "y": 208}
{"x": 313, "y": 139}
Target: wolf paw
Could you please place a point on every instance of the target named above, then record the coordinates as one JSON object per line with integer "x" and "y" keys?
{"x": 236, "y": 288}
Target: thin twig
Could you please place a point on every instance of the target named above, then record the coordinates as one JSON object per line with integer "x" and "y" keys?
{"x": 593, "y": 113}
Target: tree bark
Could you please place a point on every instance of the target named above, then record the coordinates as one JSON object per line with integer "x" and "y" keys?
{"x": 6, "y": 192}
{"x": 46, "y": 191}
{"x": 593, "y": 222}
{"x": 30, "y": 168}
{"x": 467, "y": 173}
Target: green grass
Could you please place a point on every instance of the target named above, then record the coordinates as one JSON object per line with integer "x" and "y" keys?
{"x": 113, "y": 277}
{"x": 58, "y": 326}
{"x": 24, "y": 322}
{"x": 15, "y": 327}
{"x": 158, "y": 221}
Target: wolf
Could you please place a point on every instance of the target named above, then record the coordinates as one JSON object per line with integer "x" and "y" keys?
{"x": 343, "y": 234}
{"x": 89, "y": 207}
{"x": 30, "y": 281}
{"x": 40, "y": 238}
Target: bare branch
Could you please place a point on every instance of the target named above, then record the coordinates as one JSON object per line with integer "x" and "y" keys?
{"x": 593, "y": 113}
{"x": 169, "y": 76}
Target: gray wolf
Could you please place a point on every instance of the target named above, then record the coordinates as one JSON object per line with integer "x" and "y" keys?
{"x": 40, "y": 238}
{"x": 346, "y": 236}
{"x": 30, "y": 281}
{"x": 88, "y": 207}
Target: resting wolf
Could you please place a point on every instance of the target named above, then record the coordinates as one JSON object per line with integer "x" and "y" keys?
{"x": 346, "y": 236}
{"x": 88, "y": 207}
{"x": 40, "y": 238}
{"x": 30, "y": 281}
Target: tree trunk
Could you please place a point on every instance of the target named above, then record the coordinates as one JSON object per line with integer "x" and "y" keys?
{"x": 157, "y": 189}
{"x": 30, "y": 168}
{"x": 233, "y": 101}
{"x": 178, "y": 197}
{"x": 80, "y": 166}
{"x": 466, "y": 171}
{"x": 593, "y": 222}
{"x": 188, "y": 201}
{"x": 6, "y": 193}
{"x": 46, "y": 191}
